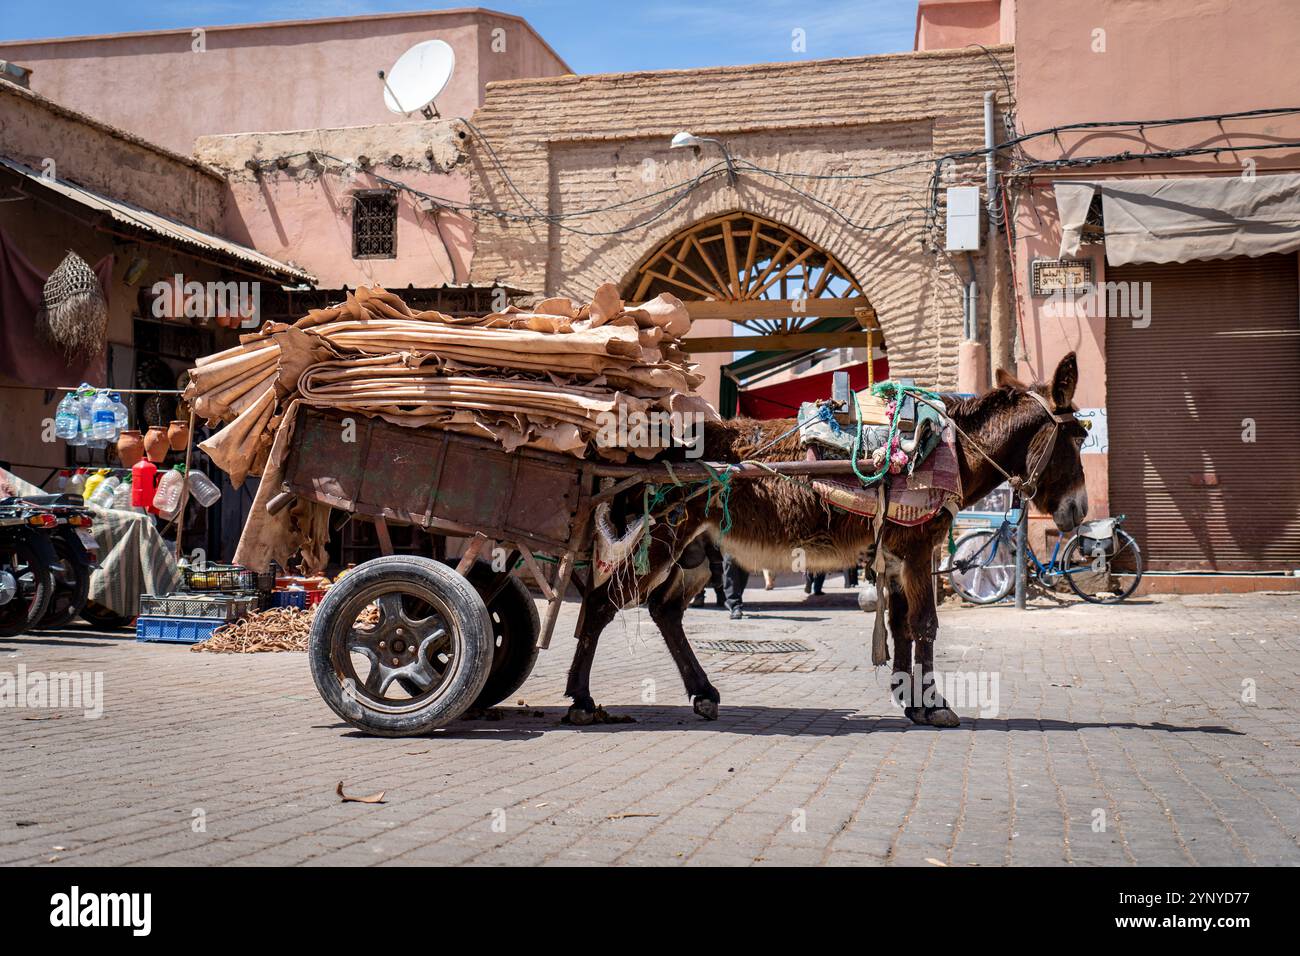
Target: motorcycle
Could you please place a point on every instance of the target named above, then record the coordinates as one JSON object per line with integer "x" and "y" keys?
{"x": 57, "y": 528}
{"x": 27, "y": 560}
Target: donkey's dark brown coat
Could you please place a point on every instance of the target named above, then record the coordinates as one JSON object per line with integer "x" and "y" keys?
{"x": 774, "y": 521}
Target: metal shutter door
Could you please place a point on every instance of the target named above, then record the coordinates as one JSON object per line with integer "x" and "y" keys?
{"x": 1223, "y": 346}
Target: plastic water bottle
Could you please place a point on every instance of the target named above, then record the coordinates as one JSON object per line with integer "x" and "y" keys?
{"x": 85, "y": 397}
{"x": 77, "y": 483}
{"x": 120, "y": 411}
{"x": 66, "y": 422}
{"x": 102, "y": 496}
{"x": 202, "y": 489}
{"x": 103, "y": 418}
{"x": 122, "y": 496}
{"x": 167, "y": 499}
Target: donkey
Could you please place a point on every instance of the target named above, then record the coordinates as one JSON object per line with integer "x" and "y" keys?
{"x": 1031, "y": 434}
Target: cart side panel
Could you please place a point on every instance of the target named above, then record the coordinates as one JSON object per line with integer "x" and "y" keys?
{"x": 321, "y": 465}
{"x": 400, "y": 464}
{"x": 543, "y": 499}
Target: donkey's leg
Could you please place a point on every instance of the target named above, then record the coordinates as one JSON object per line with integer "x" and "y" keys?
{"x": 667, "y": 604}
{"x": 923, "y": 623}
{"x": 900, "y": 681}
{"x": 593, "y": 617}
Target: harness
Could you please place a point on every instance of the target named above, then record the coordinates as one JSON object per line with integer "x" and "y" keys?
{"x": 1027, "y": 487}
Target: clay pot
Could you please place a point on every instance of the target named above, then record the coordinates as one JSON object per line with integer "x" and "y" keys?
{"x": 156, "y": 444}
{"x": 130, "y": 447}
{"x": 178, "y": 434}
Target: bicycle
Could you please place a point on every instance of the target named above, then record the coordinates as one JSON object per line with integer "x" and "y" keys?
{"x": 982, "y": 568}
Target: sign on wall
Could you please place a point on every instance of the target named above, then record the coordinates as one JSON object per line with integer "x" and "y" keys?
{"x": 1098, "y": 440}
{"x": 1047, "y": 276}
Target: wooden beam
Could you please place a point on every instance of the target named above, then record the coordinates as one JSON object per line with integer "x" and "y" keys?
{"x": 778, "y": 309}
{"x": 788, "y": 342}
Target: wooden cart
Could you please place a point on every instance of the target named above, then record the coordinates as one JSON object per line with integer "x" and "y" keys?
{"x": 405, "y": 644}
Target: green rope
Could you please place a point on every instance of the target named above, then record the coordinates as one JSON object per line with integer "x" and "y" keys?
{"x": 895, "y": 391}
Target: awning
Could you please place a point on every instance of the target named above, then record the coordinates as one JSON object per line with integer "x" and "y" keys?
{"x": 783, "y": 399}
{"x": 132, "y": 219}
{"x": 1178, "y": 220}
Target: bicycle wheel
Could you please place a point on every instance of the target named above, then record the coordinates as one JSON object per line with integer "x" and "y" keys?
{"x": 983, "y": 568}
{"x": 1093, "y": 577}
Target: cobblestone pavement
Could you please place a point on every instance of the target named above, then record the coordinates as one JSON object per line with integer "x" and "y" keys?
{"x": 1121, "y": 735}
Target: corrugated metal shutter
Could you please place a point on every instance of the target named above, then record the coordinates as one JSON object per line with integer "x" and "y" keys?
{"x": 1223, "y": 346}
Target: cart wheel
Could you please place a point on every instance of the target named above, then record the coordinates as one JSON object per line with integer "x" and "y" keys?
{"x": 514, "y": 631}
{"x": 402, "y": 645}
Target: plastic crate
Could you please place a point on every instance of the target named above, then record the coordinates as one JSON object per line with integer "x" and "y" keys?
{"x": 296, "y": 599}
{"x": 175, "y": 630}
{"x": 219, "y": 607}
{"x": 220, "y": 577}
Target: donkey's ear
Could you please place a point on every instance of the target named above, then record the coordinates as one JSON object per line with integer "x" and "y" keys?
{"x": 1004, "y": 378}
{"x": 1065, "y": 380}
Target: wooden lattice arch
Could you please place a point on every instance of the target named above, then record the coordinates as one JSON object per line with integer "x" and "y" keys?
{"x": 761, "y": 275}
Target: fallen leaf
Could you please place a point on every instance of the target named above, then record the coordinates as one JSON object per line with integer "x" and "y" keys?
{"x": 415, "y": 753}
{"x": 624, "y": 816}
{"x": 373, "y": 798}
{"x": 933, "y": 862}
{"x": 48, "y": 717}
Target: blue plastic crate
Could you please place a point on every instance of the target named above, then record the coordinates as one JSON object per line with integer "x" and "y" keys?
{"x": 175, "y": 630}
{"x": 296, "y": 599}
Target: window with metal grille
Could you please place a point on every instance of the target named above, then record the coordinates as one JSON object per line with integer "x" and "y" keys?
{"x": 374, "y": 224}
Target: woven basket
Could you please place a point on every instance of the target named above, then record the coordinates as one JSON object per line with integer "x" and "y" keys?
{"x": 75, "y": 317}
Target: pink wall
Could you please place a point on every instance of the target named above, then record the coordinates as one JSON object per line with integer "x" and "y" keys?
{"x": 954, "y": 24}
{"x": 280, "y": 76}
{"x": 1117, "y": 60}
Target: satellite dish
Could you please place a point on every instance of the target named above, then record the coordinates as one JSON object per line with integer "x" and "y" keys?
{"x": 418, "y": 77}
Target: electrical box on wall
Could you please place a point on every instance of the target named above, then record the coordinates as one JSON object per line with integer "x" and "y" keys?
{"x": 964, "y": 219}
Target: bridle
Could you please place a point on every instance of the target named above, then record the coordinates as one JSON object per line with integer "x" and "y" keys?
{"x": 1026, "y": 487}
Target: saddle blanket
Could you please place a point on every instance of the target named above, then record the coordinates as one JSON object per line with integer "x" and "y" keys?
{"x": 912, "y": 499}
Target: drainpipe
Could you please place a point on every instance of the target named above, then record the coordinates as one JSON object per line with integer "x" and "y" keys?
{"x": 1001, "y": 331}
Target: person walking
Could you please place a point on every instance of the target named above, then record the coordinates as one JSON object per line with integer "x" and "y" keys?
{"x": 734, "y": 581}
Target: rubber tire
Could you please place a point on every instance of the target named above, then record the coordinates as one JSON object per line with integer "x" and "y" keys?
{"x": 68, "y": 599}
{"x": 1126, "y": 541}
{"x": 515, "y": 625}
{"x": 13, "y": 618}
{"x": 103, "y": 618}
{"x": 952, "y": 576}
{"x": 465, "y": 615}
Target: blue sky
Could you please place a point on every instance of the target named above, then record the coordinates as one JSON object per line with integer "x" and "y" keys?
{"x": 593, "y": 36}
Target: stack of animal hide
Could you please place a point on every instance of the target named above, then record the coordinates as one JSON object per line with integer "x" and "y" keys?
{"x": 548, "y": 378}
{"x": 553, "y": 377}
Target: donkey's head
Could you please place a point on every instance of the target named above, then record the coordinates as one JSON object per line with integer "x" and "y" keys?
{"x": 1053, "y": 463}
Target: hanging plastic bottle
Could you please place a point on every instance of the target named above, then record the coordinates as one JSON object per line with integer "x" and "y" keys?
{"x": 144, "y": 483}
{"x": 66, "y": 421}
{"x": 104, "y": 493}
{"x": 121, "y": 413}
{"x": 167, "y": 499}
{"x": 122, "y": 496}
{"x": 205, "y": 492}
{"x": 93, "y": 482}
{"x": 103, "y": 418}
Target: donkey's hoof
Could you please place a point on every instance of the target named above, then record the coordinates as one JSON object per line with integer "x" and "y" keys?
{"x": 708, "y": 709}
{"x": 580, "y": 716}
{"x": 941, "y": 717}
{"x": 932, "y": 716}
